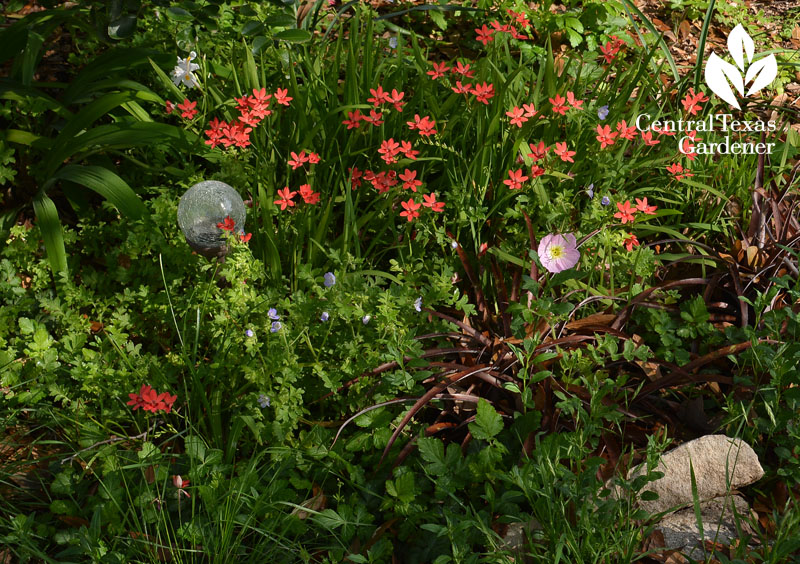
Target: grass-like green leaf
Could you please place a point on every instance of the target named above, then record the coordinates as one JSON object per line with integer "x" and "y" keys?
{"x": 50, "y": 226}
{"x": 107, "y": 184}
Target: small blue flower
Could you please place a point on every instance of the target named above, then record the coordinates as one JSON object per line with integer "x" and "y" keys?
{"x": 393, "y": 42}
{"x": 418, "y": 304}
{"x": 324, "y": 316}
{"x": 605, "y": 201}
{"x": 249, "y": 333}
{"x": 366, "y": 319}
{"x": 276, "y": 326}
{"x": 602, "y": 112}
{"x": 590, "y": 191}
{"x": 454, "y": 244}
{"x": 272, "y": 313}
{"x": 330, "y": 279}
{"x": 263, "y": 401}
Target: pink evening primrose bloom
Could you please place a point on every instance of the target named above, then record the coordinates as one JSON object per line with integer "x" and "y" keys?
{"x": 558, "y": 252}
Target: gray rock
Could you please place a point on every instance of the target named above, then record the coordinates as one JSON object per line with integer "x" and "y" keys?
{"x": 720, "y": 464}
{"x": 516, "y": 539}
{"x": 719, "y": 518}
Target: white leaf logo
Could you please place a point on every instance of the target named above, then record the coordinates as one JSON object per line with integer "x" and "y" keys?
{"x": 720, "y": 75}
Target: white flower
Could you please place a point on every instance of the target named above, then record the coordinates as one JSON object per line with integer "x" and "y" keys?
{"x": 418, "y": 304}
{"x": 184, "y": 72}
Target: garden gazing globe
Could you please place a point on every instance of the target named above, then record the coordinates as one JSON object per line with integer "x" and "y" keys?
{"x": 201, "y": 208}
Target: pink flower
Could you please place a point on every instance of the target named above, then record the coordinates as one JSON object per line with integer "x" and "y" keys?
{"x": 631, "y": 242}
{"x": 430, "y": 202}
{"x": 180, "y": 483}
{"x": 425, "y": 125}
{"x": 517, "y": 116}
{"x": 374, "y": 118}
{"x": 309, "y": 196}
{"x": 379, "y": 96}
{"x": 515, "y": 179}
{"x": 355, "y": 177}
{"x": 647, "y": 137}
{"x": 227, "y": 224}
{"x": 169, "y": 106}
{"x": 691, "y": 102}
{"x": 609, "y": 50}
{"x": 281, "y": 96}
{"x": 187, "y": 109}
{"x": 562, "y": 151}
{"x": 484, "y": 34}
{"x": 410, "y": 208}
{"x": 285, "y": 198}
{"x": 483, "y": 92}
{"x": 536, "y": 171}
{"x": 605, "y": 136}
{"x": 530, "y": 111}
{"x": 679, "y": 172}
{"x": 641, "y": 205}
{"x": 558, "y": 252}
{"x": 395, "y": 100}
{"x": 558, "y": 104}
{"x": 353, "y": 119}
{"x": 388, "y": 150}
{"x": 408, "y": 151}
{"x": 438, "y": 70}
{"x": 463, "y": 70}
{"x": 577, "y": 104}
{"x": 626, "y": 212}
{"x": 149, "y": 400}
{"x": 626, "y": 132}
{"x": 461, "y": 88}
{"x": 298, "y": 160}
{"x": 410, "y": 182}
{"x": 538, "y": 151}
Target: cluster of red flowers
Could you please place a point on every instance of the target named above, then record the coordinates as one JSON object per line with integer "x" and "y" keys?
{"x": 385, "y": 180}
{"x": 378, "y": 99}
{"x": 691, "y": 102}
{"x": 560, "y": 107}
{"x": 286, "y": 199}
{"x": 482, "y": 92}
{"x": 228, "y": 224}
{"x": 486, "y": 34}
{"x": 627, "y": 212}
{"x": 391, "y": 149}
{"x": 187, "y": 108}
{"x": 688, "y": 145}
{"x": 678, "y": 172}
{"x": 537, "y": 154}
{"x": 606, "y": 137}
{"x": 299, "y": 160}
{"x": 252, "y": 110}
{"x": 411, "y": 208}
{"x": 424, "y": 126}
{"x": 150, "y": 400}
{"x": 611, "y": 48}
{"x": 521, "y": 115}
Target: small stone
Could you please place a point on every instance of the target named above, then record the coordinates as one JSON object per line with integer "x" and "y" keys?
{"x": 719, "y": 518}
{"x": 720, "y": 465}
{"x": 516, "y": 539}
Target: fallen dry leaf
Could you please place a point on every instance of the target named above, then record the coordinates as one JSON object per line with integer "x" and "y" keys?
{"x": 594, "y": 319}
{"x": 315, "y": 503}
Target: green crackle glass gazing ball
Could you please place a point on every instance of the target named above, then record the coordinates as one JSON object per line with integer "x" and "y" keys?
{"x": 201, "y": 208}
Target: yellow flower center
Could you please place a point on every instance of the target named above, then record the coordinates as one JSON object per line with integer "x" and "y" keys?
{"x": 556, "y": 252}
